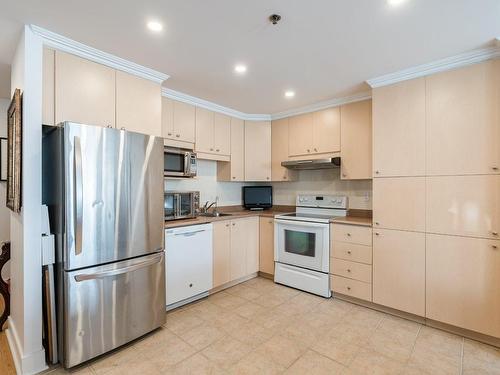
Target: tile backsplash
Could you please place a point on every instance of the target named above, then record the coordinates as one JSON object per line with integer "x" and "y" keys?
{"x": 325, "y": 181}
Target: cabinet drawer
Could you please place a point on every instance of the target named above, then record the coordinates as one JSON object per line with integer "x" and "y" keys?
{"x": 352, "y": 270}
{"x": 353, "y": 252}
{"x": 352, "y": 234}
{"x": 353, "y": 288}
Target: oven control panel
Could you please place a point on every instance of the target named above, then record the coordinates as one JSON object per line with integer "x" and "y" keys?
{"x": 322, "y": 201}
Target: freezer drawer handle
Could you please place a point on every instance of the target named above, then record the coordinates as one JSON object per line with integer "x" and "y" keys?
{"x": 78, "y": 195}
{"x": 119, "y": 271}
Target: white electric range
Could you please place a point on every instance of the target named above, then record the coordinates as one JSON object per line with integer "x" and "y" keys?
{"x": 302, "y": 242}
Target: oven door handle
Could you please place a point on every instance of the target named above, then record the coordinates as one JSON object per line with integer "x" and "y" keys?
{"x": 301, "y": 223}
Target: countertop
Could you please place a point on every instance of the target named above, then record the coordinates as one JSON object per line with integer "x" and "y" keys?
{"x": 239, "y": 212}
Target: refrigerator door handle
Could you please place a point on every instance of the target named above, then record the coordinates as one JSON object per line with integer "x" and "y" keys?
{"x": 119, "y": 271}
{"x": 78, "y": 195}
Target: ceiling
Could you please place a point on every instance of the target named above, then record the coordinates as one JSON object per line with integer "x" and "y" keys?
{"x": 322, "y": 49}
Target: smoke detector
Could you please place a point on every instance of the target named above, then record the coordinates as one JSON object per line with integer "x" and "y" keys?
{"x": 274, "y": 18}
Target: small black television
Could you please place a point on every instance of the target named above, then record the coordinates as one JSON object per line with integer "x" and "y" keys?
{"x": 257, "y": 197}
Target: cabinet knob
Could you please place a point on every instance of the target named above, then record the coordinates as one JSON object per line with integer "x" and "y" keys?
{"x": 122, "y": 128}
{"x": 494, "y": 233}
{"x": 494, "y": 247}
{"x": 270, "y": 222}
{"x": 349, "y": 252}
{"x": 377, "y": 172}
{"x": 377, "y": 223}
{"x": 177, "y": 135}
{"x": 284, "y": 177}
{"x": 234, "y": 224}
{"x": 267, "y": 178}
{"x": 234, "y": 178}
{"x": 494, "y": 168}
{"x": 308, "y": 150}
{"x": 348, "y": 288}
{"x": 316, "y": 150}
{"x": 376, "y": 233}
{"x": 348, "y": 270}
{"x": 228, "y": 225}
{"x": 344, "y": 175}
{"x": 217, "y": 150}
{"x": 169, "y": 133}
{"x": 108, "y": 126}
{"x": 348, "y": 234}
{"x": 190, "y": 285}
{"x": 211, "y": 149}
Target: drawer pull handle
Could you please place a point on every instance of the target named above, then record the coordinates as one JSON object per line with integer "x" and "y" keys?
{"x": 348, "y": 234}
{"x": 494, "y": 233}
{"x": 494, "y": 247}
{"x": 376, "y": 233}
{"x": 377, "y": 223}
{"x": 377, "y": 172}
{"x": 348, "y": 270}
{"x": 217, "y": 150}
{"x": 348, "y": 288}
{"x": 349, "y": 252}
{"x": 494, "y": 168}
{"x": 177, "y": 135}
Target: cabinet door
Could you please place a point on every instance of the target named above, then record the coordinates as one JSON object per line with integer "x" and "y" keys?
{"x": 222, "y": 253}
{"x": 266, "y": 245}
{"x": 237, "y": 150}
{"x": 399, "y": 129}
{"x": 222, "y": 134}
{"x": 167, "y": 118}
{"x": 356, "y": 140}
{"x": 84, "y": 91}
{"x": 238, "y": 249}
{"x": 399, "y": 203}
{"x": 204, "y": 131}
{"x": 138, "y": 104}
{"x": 326, "y": 131}
{"x": 184, "y": 122}
{"x": 48, "y": 86}
{"x": 463, "y": 131}
{"x": 279, "y": 150}
{"x": 464, "y": 205}
{"x": 300, "y": 135}
{"x": 251, "y": 225}
{"x": 257, "y": 150}
{"x": 399, "y": 270}
{"x": 463, "y": 281}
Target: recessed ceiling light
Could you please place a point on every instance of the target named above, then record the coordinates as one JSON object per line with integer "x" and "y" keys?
{"x": 395, "y": 2}
{"x": 289, "y": 94}
{"x": 155, "y": 26}
{"x": 240, "y": 69}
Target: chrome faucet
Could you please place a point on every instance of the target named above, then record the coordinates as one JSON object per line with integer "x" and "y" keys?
{"x": 207, "y": 206}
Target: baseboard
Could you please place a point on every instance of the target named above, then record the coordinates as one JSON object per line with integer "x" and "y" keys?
{"x": 233, "y": 283}
{"x": 490, "y": 340}
{"x": 266, "y": 275}
{"x": 33, "y": 363}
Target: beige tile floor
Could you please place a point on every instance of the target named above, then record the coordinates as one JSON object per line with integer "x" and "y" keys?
{"x": 259, "y": 327}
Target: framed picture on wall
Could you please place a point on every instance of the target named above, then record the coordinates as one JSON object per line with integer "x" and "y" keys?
{"x": 14, "y": 152}
{"x": 3, "y": 159}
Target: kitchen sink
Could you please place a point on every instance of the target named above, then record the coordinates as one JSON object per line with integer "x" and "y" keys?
{"x": 214, "y": 214}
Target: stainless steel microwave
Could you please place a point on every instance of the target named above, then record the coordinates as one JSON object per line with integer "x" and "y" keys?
{"x": 181, "y": 204}
{"x": 179, "y": 162}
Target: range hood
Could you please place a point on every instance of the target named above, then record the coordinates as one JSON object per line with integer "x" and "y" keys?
{"x": 327, "y": 163}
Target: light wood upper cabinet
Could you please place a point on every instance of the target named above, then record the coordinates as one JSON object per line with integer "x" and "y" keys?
{"x": 222, "y": 134}
{"x": 266, "y": 245}
{"x": 178, "y": 121}
{"x": 138, "y": 104}
{"x": 463, "y": 122}
{"x": 399, "y": 270}
{"x": 399, "y": 129}
{"x": 213, "y": 133}
{"x": 464, "y": 205}
{"x": 48, "y": 87}
{"x": 399, "y": 203}
{"x": 279, "y": 151}
{"x": 234, "y": 170}
{"x": 463, "y": 281}
{"x": 221, "y": 253}
{"x": 326, "y": 131}
{"x": 315, "y": 133}
{"x": 257, "y": 150}
{"x": 300, "y": 134}
{"x": 356, "y": 140}
{"x": 84, "y": 91}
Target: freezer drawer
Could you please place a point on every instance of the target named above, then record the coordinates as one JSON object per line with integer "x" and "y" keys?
{"x": 108, "y": 306}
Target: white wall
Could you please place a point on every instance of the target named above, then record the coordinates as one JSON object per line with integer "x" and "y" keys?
{"x": 321, "y": 182}
{"x": 4, "y": 211}
{"x": 25, "y": 322}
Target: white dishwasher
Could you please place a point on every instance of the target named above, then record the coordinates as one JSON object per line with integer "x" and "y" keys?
{"x": 188, "y": 263}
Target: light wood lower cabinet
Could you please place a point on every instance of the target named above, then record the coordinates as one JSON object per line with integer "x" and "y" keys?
{"x": 138, "y": 104}
{"x": 463, "y": 282}
{"x": 399, "y": 203}
{"x": 235, "y": 249}
{"x": 266, "y": 248}
{"x": 399, "y": 129}
{"x": 464, "y": 205}
{"x": 84, "y": 91}
{"x": 257, "y": 151}
{"x": 356, "y": 140}
{"x": 221, "y": 253}
{"x": 352, "y": 252}
{"x": 352, "y": 270}
{"x": 399, "y": 270}
{"x": 350, "y": 287}
{"x": 352, "y": 234}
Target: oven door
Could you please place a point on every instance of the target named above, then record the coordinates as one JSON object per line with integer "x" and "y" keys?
{"x": 302, "y": 244}
{"x": 175, "y": 163}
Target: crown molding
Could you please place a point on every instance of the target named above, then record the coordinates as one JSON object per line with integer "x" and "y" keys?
{"x": 322, "y": 105}
{"x": 185, "y": 98}
{"x": 453, "y": 62}
{"x": 62, "y": 43}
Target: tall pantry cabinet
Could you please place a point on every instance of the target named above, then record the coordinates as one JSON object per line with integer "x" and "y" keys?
{"x": 436, "y": 197}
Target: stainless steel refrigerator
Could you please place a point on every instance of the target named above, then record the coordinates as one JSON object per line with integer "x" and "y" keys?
{"x": 104, "y": 189}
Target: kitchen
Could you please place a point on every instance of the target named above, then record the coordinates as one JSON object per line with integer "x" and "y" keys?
{"x": 354, "y": 233}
